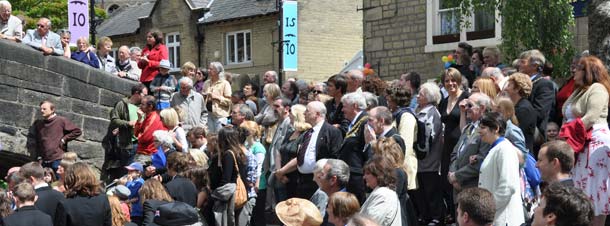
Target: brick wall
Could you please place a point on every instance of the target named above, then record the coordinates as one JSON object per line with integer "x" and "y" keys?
{"x": 330, "y": 34}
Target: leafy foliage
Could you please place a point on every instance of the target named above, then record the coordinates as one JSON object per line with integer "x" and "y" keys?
{"x": 55, "y": 10}
{"x": 530, "y": 24}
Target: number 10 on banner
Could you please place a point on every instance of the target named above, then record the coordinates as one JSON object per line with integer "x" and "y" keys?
{"x": 290, "y": 39}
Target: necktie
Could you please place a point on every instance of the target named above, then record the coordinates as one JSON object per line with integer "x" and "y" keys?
{"x": 464, "y": 141}
{"x": 303, "y": 147}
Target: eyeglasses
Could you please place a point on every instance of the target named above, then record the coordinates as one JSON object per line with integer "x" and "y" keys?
{"x": 316, "y": 91}
{"x": 40, "y": 25}
{"x": 469, "y": 105}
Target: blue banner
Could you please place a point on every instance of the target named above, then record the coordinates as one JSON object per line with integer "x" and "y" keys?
{"x": 290, "y": 39}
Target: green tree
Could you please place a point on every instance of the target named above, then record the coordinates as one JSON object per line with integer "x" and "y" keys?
{"x": 531, "y": 24}
{"x": 55, "y": 10}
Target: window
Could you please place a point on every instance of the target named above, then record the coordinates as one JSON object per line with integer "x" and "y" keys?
{"x": 444, "y": 31}
{"x": 114, "y": 53}
{"x": 172, "y": 41}
{"x": 239, "y": 48}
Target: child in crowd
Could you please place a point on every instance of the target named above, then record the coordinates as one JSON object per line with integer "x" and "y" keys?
{"x": 133, "y": 180}
{"x": 552, "y": 131}
{"x": 49, "y": 175}
{"x": 163, "y": 85}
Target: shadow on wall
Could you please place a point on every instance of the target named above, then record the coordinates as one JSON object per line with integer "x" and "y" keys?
{"x": 82, "y": 94}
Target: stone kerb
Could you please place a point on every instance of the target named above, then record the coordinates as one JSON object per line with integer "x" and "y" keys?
{"x": 83, "y": 94}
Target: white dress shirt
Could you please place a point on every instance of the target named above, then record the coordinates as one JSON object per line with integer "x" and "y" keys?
{"x": 309, "y": 161}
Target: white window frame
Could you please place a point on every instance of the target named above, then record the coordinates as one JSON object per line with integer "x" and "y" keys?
{"x": 114, "y": 53}
{"x": 433, "y": 22}
{"x": 172, "y": 50}
{"x": 247, "y": 49}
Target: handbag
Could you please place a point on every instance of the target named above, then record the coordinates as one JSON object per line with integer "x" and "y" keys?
{"x": 241, "y": 195}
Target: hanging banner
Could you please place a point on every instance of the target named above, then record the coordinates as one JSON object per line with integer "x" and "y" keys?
{"x": 290, "y": 36}
{"x": 78, "y": 19}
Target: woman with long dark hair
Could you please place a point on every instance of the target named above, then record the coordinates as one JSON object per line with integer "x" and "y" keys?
{"x": 152, "y": 54}
{"x": 83, "y": 190}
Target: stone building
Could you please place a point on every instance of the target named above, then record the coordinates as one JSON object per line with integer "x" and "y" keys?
{"x": 413, "y": 35}
{"x": 177, "y": 19}
{"x": 330, "y": 34}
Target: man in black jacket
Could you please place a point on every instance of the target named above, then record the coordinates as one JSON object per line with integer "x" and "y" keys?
{"x": 543, "y": 93}
{"x": 26, "y": 213}
{"x": 48, "y": 199}
{"x": 352, "y": 150}
{"x": 180, "y": 188}
{"x": 320, "y": 142}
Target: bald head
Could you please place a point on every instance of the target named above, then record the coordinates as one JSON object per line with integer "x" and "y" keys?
{"x": 315, "y": 112}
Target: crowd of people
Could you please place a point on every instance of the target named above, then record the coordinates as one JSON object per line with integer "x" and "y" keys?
{"x": 488, "y": 144}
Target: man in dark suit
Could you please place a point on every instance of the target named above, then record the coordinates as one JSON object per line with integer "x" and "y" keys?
{"x": 26, "y": 213}
{"x": 352, "y": 150}
{"x": 462, "y": 173}
{"x": 180, "y": 188}
{"x": 542, "y": 97}
{"x": 555, "y": 161}
{"x": 48, "y": 199}
{"x": 380, "y": 120}
{"x": 319, "y": 142}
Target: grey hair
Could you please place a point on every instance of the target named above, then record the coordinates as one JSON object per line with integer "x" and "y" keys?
{"x": 535, "y": 57}
{"x": 245, "y": 110}
{"x": 431, "y": 92}
{"x": 5, "y": 3}
{"x": 134, "y": 49}
{"x": 186, "y": 80}
{"x": 371, "y": 100}
{"x": 219, "y": 68}
{"x": 323, "y": 85}
{"x": 318, "y": 107}
{"x": 49, "y": 24}
{"x": 302, "y": 84}
{"x": 356, "y": 74}
{"x": 338, "y": 168}
{"x": 274, "y": 73}
{"x": 164, "y": 138}
{"x": 484, "y": 101}
{"x": 382, "y": 112}
{"x": 319, "y": 165}
{"x": 493, "y": 72}
{"x": 354, "y": 98}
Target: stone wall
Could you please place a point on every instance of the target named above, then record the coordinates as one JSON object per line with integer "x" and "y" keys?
{"x": 395, "y": 36}
{"x": 83, "y": 94}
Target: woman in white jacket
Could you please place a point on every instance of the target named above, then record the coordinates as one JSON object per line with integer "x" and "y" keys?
{"x": 500, "y": 171}
{"x": 382, "y": 205}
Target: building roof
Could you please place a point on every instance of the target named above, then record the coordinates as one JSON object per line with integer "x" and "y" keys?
{"x": 223, "y": 10}
{"x": 125, "y": 21}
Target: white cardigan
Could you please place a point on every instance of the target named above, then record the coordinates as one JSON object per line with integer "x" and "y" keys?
{"x": 500, "y": 175}
{"x": 383, "y": 207}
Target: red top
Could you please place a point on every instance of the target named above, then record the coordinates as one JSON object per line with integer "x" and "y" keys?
{"x": 575, "y": 134}
{"x": 155, "y": 55}
{"x": 563, "y": 94}
{"x": 144, "y": 131}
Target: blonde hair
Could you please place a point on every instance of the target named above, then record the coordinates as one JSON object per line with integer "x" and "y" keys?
{"x": 487, "y": 86}
{"x": 70, "y": 156}
{"x": 390, "y": 150}
{"x": 506, "y": 107}
{"x": 169, "y": 117}
{"x": 187, "y": 66}
{"x": 298, "y": 113}
{"x": 118, "y": 217}
{"x": 103, "y": 41}
{"x": 254, "y": 129}
{"x": 199, "y": 158}
{"x": 272, "y": 89}
{"x": 522, "y": 82}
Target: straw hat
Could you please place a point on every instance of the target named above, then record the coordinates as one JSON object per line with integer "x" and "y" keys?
{"x": 298, "y": 212}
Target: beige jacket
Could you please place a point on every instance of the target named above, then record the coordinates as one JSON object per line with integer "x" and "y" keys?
{"x": 591, "y": 105}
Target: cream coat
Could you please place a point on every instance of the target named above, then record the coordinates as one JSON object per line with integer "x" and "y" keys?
{"x": 383, "y": 206}
{"x": 407, "y": 130}
{"x": 500, "y": 175}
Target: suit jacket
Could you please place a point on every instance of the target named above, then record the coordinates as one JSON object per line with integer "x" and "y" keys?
{"x": 328, "y": 139}
{"x": 86, "y": 211}
{"x": 28, "y": 216}
{"x": 33, "y": 39}
{"x": 468, "y": 174}
{"x": 352, "y": 151}
{"x": 383, "y": 206}
{"x": 183, "y": 190}
{"x": 48, "y": 201}
{"x": 150, "y": 207}
{"x": 542, "y": 99}
{"x": 391, "y": 133}
{"x": 527, "y": 116}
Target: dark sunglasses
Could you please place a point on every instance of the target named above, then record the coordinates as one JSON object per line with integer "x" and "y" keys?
{"x": 316, "y": 91}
